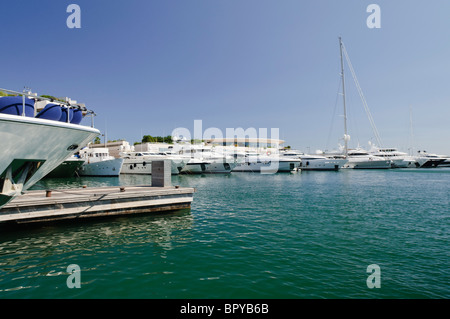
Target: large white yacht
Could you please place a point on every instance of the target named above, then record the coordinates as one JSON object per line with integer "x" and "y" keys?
{"x": 266, "y": 163}
{"x": 317, "y": 162}
{"x": 36, "y": 138}
{"x": 205, "y": 160}
{"x": 141, "y": 162}
{"x": 98, "y": 162}
{"x": 430, "y": 160}
{"x": 399, "y": 159}
{"x": 361, "y": 159}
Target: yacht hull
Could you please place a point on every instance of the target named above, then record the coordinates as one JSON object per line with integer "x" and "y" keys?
{"x": 144, "y": 166}
{"x": 207, "y": 167}
{"x": 267, "y": 166}
{"x": 368, "y": 164}
{"x": 66, "y": 169}
{"x": 322, "y": 164}
{"x": 33, "y": 147}
{"x": 110, "y": 167}
{"x": 433, "y": 162}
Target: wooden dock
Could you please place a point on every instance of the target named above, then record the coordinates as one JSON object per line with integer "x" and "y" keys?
{"x": 82, "y": 203}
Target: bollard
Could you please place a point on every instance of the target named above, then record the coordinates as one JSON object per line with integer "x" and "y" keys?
{"x": 161, "y": 173}
{"x": 48, "y": 193}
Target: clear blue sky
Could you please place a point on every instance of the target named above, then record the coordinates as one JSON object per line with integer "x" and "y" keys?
{"x": 147, "y": 67}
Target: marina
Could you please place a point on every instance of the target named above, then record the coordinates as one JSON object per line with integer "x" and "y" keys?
{"x": 214, "y": 151}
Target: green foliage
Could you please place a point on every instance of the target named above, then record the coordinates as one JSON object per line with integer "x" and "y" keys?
{"x": 6, "y": 94}
{"x": 53, "y": 98}
{"x": 157, "y": 139}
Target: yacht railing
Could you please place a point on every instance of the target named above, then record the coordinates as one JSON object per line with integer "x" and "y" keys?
{"x": 68, "y": 103}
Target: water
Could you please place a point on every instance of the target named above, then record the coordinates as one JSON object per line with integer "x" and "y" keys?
{"x": 247, "y": 235}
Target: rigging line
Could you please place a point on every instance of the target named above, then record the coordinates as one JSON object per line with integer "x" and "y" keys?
{"x": 366, "y": 107}
{"x": 334, "y": 113}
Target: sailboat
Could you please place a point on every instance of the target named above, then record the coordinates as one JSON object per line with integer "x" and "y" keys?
{"x": 358, "y": 158}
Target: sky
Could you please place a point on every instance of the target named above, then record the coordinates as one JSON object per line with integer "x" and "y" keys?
{"x": 148, "y": 67}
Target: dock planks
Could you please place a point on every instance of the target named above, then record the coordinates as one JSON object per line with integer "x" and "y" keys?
{"x": 63, "y": 204}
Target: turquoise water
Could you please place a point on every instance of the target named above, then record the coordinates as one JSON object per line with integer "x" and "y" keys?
{"x": 247, "y": 235}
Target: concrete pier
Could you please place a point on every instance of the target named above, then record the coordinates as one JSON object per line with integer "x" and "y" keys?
{"x": 44, "y": 206}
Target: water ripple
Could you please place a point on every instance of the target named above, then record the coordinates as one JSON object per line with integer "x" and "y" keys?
{"x": 308, "y": 235}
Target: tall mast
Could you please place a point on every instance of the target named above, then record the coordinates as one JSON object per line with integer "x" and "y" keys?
{"x": 411, "y": 152}
{"x": 343, "y": 96}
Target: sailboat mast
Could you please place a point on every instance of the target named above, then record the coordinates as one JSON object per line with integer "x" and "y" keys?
{"x": 411, "y": 132}
{"x": 343, "y": 96}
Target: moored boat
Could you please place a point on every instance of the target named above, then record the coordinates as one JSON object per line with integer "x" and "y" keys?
{"x": 266, "y": 163}
{"x": 68, "y": 168}
{"x": 141, "y": 162}
{"x": 98, "y": 162}
{"x": 430, "y": 160}
{"x": 399, "y": 159}
{"x": 33, "y": 146}
{"x": 316, "y": 162}
{"x": 361, "y": 159}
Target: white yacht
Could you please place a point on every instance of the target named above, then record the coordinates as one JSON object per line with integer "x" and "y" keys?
{"x": 141, "y": 162}
{"x": 430, "y": 160}
{"x": 361, "y": 159}
{"x": 266, "y": 163}
{"x": 317, "y": 162}
{"x": 206, "y": 160}
{"x": 399, "y": 159}
{"x": 321, "y": 163}
{"x": 35, "y": 141}
{"x": 98, "y": 162}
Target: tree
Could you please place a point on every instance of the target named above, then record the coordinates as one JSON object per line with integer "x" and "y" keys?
{"x": 157, "y": 139}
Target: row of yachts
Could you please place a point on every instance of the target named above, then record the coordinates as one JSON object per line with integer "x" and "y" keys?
{"x": 43, "y": 137}
{"x": 201, "y": 159}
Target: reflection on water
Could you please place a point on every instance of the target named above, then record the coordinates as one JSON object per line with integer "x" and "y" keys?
{"x": 306, "y": 235}
{"x": 28, "y": 256}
